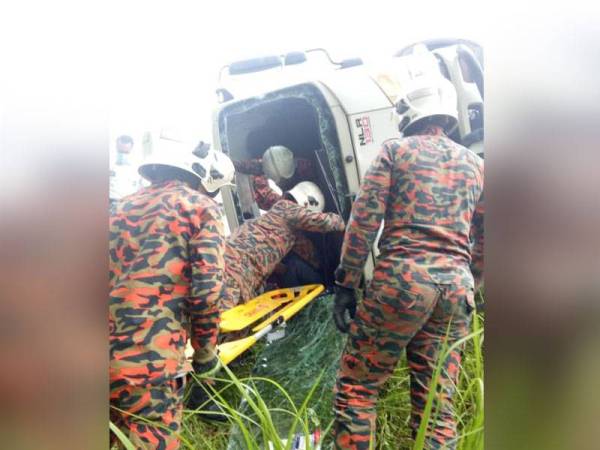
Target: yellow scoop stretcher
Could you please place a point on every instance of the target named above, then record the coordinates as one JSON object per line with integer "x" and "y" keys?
{"x": 282, "y": 303}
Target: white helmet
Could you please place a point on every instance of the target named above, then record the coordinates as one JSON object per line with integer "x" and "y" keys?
{"x": 278, "y": 162}
{"x": 213, "y": 169}
{"x": 427, "y": 97}
{"x": 309, "y": 195}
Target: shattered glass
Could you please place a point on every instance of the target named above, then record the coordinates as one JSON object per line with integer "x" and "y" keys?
{"x": 312, "y": 347}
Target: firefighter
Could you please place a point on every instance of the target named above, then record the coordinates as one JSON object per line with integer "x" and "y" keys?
{"x": 428, "y": 190}
{"x": 254, "y": 250}
{"x": 166, "y": 273}
{"x": 302, "y": 265}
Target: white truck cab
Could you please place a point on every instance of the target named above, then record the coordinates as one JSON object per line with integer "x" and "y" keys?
{"x": 337, "y": 115}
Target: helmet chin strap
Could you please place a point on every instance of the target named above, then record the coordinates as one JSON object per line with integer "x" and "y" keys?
{"x": 200, "y": 188}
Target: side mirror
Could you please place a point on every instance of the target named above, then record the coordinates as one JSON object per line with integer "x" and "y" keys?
{"x": 475, "y": 69}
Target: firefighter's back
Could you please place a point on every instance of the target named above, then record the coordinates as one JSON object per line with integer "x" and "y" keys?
{"x": 257, "y": 246}
{"x": 150, "y": 280}
{"x": 435, "y": 187}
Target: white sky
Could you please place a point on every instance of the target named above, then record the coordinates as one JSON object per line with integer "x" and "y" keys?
{"x": 168, "y": 57}
{"x": 154, "y": 64}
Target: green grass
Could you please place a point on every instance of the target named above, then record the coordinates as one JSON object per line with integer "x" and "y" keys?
{"x": 256, "y": 416}
{"x": 393, "y": 408}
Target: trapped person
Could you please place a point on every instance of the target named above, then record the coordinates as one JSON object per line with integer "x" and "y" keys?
{"x": 255, "y": 249}
{"x": 166, "y": 275}
{"x": 428, "y": 190}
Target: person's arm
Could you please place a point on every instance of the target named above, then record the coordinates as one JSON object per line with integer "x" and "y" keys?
{"x": 304, "y": 167}
{"x": 367, "y": 213}
{"x": 306, "y": 250}
{"x": 476, "y": 235}
{"x": 302, "y": 218}
{"x": 206, "y": 249}
{"x": 249, "y": 166}
{"x": 263, "y": 194}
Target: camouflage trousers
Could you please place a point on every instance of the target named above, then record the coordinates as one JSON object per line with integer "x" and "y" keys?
{"x": 150, "y": 416}
{"x": 231, "y": 295}
{"x": 420, "y": 318}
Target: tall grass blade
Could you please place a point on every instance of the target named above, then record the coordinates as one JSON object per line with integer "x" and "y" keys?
{"x": 121, "y": 436}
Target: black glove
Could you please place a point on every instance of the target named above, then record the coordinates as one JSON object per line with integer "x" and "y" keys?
{"x": 345, "y": 300}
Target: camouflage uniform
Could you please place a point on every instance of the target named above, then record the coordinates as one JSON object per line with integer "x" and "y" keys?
{"x": 166, "y": 262}
{"x": 266, "y": 197}
{"x": 428, "y": 190}
{"x": 254, "y": 250}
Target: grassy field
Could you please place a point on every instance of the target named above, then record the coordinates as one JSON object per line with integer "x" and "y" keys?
{"x": 393, "y": 409}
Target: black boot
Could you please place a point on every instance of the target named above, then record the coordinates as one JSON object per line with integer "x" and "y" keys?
{"x": 198, "y": 399}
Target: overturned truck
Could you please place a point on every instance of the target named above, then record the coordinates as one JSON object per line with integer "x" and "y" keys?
{"x": 337, "y": 117}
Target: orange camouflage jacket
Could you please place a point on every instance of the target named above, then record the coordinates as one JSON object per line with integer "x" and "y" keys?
{"x": 166, "y": 272}
{"x": 428, "y": 190}
{"x": 253, "y": 251}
